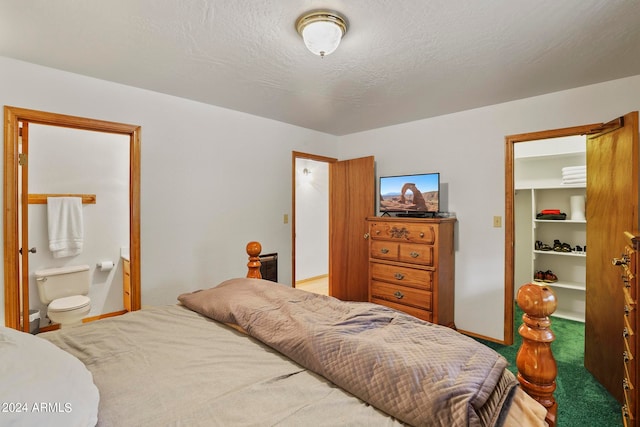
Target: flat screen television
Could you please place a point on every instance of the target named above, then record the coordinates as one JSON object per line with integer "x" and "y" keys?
{"x": 410, "y": 195}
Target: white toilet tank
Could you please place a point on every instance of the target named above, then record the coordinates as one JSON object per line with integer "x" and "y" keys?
{"x": 54, "y": 283}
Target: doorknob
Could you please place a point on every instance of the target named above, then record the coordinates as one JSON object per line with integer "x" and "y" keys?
{"x": 32, "y": 250}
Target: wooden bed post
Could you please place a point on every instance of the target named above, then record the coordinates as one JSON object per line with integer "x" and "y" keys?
{"x": 537, "y": 369}
{"x": 253, "y": 250}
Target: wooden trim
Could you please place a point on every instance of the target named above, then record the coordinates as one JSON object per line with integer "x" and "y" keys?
{"x": 509, "y": 223}
{"x": 56, "y": 326}
{"x": 104, "y": 316}
{"x": 62, "y": 120}
{"x": 299, "y": 155}
{"x": 14, "y": 115}
{"x": 135, "y": 215}
{"x": 41, "y": 199}
{"x": 10, "y": 221}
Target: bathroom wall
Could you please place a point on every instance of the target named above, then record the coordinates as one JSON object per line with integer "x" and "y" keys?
{"x": 63, "y": 160}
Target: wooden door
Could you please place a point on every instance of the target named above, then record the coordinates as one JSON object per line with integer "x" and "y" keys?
{"x": 351, "y": 201}
{"x": 611, "y": 209}
{"x": 24, "y": 225}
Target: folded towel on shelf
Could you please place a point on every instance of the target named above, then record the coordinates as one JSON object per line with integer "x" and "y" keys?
{"x": 571, "y": 173}
{"x": 574, "y": 169}
{"x": 575, "y": 181}
{"x": 64, "y": 216}
{"x": 574, "y": 175}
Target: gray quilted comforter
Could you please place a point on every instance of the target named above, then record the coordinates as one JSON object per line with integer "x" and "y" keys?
{"x": 417, "y": 372}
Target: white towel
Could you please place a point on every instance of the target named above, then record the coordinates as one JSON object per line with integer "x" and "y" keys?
{"x": 575, "y": 181}
{"x": 65, "y": 226}
{"x": 574, "y": 169}
{"x": 574, "y": 175}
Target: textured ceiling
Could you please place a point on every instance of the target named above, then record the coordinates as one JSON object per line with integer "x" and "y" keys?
{"x": 400, "y": 60}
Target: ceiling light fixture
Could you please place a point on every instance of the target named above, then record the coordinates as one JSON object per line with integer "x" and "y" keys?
{"x": 321, "y": 31}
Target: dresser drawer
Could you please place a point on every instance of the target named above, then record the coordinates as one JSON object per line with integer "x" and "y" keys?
{"x": 418, "y": 298}
{"x": 403, "y": 232}
{"x": 417, "y": 312}
{"x": 384, "y": 250}
{"x": 415, "y": 254}
{"x": 413, "y": 277}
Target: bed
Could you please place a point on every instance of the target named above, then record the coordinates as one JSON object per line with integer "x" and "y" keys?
{"x": 250, "y": 352}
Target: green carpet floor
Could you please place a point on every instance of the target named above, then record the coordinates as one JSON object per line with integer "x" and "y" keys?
{"x": 582, "y": 401}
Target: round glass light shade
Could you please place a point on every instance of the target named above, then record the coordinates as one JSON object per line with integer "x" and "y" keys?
{"x": 322, "y": 37}
{"x": 321, "y": 31}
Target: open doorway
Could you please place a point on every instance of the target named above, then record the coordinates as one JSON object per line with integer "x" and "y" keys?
{"x": 310, "y": 222}
{"x": 611, "y": 210}
{"x": 18, "y": 198}
{"x": 351, "y": 194}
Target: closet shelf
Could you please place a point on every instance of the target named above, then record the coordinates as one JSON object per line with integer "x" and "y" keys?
{"x": 578, "y": 254}
{"x": 41, "y": 199}
{"x": 562, "y": 221}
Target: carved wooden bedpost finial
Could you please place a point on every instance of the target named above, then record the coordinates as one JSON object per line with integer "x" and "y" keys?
{"x": 253, "y": 250}
{"x": 537, "y": 369}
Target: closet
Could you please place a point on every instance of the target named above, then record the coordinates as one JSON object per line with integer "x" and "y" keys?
{"x": 552, "y": 247}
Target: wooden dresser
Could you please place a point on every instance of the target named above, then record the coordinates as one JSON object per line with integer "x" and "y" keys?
{"x": 628, "y": 263}
{"x": 411, "y": 266}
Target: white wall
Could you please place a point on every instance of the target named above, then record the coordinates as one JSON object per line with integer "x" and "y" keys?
{"x": 212, "y": 179}
{"x": 467, "y": 148}
{"x": 63, "y": 160}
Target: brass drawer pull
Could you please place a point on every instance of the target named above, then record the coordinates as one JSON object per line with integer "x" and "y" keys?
{"x": 399, "y": 276}
{"x": 627, "y": 310}
{"x": 398, "y": 295}
{"x": 625, "y": 333}
{"x": 625, "y": 384}
{"x": 625, "y": 357}
{"x": 384, "y": 250}
{"x": 621, "y": 261}
{"x": 414, "y": 254}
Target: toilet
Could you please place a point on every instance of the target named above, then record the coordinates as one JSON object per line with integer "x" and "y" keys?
{"x": 64, "y": 290}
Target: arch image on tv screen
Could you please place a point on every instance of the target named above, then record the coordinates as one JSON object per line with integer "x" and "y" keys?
{"x": 410, "y": 193}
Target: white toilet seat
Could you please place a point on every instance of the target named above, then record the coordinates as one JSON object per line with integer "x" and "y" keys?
{"x": 74, "y": 302}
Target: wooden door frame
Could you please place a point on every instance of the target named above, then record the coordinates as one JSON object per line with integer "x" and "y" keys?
{"x": 510, "y": 140}
{"x": 294, "y": 156}
{"x": 14, "y": 115}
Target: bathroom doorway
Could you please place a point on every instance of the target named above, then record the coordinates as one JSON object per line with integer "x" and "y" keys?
{"x": 101, "y": 143}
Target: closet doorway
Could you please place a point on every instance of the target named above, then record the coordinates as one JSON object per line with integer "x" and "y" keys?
{"x": 17, "y": 199}
{"x": 611, "y": 209}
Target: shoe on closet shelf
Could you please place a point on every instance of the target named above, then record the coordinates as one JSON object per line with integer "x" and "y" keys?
{"x": 542, "y": 246}
{"x": 549, "y": 277}
{"x": 538, "y": 276}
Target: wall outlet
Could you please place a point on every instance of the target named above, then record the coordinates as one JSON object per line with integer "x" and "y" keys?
{"x": 497, "y": 221}
{"x": 285, "y": 219}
